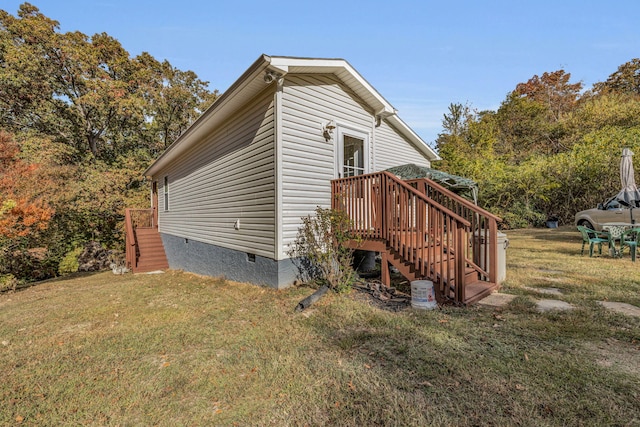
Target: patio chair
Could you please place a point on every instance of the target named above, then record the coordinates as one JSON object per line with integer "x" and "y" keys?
{"x": 630, "y": 238}
{"x": 593, "y": 237}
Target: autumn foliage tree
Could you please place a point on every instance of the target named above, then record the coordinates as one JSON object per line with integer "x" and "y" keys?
{"x": 81, "y": 120}
{"x": 550, "y": 149}
{"x": 23, "y": 212}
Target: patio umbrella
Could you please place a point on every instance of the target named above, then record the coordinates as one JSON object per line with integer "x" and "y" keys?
{"x": 630, "y": 193}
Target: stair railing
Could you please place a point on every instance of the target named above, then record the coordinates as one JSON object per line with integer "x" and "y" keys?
{"x": 484, "y": 226}
{"x": 134, "y": 219}
{"x": 425, "y": 234}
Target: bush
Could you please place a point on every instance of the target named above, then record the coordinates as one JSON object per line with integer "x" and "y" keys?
{"x": 8, "y": 282}
{"x": 69, "y": 263}
{"x": 319, "y": 250}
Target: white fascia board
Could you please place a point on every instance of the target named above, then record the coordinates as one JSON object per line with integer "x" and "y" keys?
{"x": 335, "y": 66}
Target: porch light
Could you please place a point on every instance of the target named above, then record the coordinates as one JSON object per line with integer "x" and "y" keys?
{"x": 327, "y": 130}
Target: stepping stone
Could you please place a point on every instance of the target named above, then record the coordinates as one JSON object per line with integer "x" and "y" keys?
{"x": 549, "y": 291}
{"x": 496, "y": 300}
{"x": 549, "y": 279}
{"x": 545, "y": 305}
{"x": 621, "y": 307}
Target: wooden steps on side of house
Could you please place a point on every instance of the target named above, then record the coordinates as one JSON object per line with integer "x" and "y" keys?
{"x": 474, "y": 289}
{"x": 152, "y": 255}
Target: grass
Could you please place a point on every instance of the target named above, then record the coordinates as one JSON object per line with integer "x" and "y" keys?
{"x": 177, "y": 349}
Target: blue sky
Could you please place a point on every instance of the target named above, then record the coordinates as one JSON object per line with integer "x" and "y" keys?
{"x": 421, "y": 55}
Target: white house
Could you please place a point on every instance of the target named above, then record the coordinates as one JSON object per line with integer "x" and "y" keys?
{"x": 231, "y": 190}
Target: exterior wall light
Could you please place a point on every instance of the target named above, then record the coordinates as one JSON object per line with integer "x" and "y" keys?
{"x": 271, "y": 76}
{"x": 327, "y": 130}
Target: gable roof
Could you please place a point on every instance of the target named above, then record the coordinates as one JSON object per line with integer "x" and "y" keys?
{"x": 252, "y": 81}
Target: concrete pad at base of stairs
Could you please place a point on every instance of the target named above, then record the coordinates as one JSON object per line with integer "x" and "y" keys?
{"x": 553, "y": 305}
{"x": 621, "y": 307}
{"x": 496, "y": 300}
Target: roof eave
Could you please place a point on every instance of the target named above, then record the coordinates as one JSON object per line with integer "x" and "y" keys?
{"x": 224, "y": 105}
{"x": 204, "y": 122}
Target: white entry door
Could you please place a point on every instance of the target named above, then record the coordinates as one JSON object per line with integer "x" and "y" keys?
{"x": 353, "y": 153}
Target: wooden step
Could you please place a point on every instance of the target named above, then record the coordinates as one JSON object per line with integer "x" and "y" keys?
{"x": 151, "y": 251}
{"x": 477, "y": 290}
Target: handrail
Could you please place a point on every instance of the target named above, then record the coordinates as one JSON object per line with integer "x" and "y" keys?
{"x": 450, "y": 194}
{"x": 440, "y": 239}
{"x": 426, "y": 235}
{"x": 484, "y": 226}
{"x": 424, "y": 197}
{"x": 130, "y": 240}
{"x": 134, "y": 219}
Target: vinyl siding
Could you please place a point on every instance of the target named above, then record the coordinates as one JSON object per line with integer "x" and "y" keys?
{"x": 228, "y": 176}
{"x": 308, "y": 160}
{"x": 391, "y": 149}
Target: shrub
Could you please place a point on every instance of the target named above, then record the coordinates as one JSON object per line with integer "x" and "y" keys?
{"x": 69, "y": 263}
{"x": 320, "y": 252}
{"x": 8, "y": 282}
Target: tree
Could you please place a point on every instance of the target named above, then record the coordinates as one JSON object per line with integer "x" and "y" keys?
{"x": 174, "y": 99}
{"x": 23, "y": 211}
{"x": 89, "y": 92}
{"x": 552, "y": 90}
{"x": 625, "y": 80}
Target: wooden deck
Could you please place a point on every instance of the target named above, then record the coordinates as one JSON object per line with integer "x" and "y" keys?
{"x": 450, "y": 241}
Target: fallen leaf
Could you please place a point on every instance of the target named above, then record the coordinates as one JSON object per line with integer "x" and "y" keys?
{"x": 367, "y": 366}
{"x": 427, "y": 383}
{"x": 443, "y": 321}
{"x": 526, "y": 357}
{"x": 351, "y": 386}
{"x": 165, "y": 364}
{"x": 337, "y": 405}
{"x": 520, "y": 387}
{"x": 19, "y": 419}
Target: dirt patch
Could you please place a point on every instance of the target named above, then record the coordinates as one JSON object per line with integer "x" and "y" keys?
{"x": 616, "y": 354}
{"x": 380, "y": 296}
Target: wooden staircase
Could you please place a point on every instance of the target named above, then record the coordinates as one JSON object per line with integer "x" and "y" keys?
{"x": 451, "y": 241}
{"x": 144, "y": 249}
{"x": 152, "y": 255}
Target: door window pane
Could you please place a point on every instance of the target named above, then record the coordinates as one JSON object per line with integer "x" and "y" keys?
{"x": 353, "y": 156}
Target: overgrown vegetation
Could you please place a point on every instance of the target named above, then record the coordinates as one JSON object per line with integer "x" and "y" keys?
{"x": 319, "y": 250}
{"x": 80, "y": 120}
{"x": 550, "y": 149}
{"x": 178, "y": 349}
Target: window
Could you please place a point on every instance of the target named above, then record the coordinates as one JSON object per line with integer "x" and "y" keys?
{"x": 166, "y": 193}
{"x": 353, "y": 156}
{"x": 352, "y": 152}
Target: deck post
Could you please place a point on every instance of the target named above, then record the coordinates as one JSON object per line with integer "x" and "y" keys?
{"x": 384, "y": 270}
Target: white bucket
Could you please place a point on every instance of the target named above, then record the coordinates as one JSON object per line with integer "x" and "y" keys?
{"x": 423, "y": 295}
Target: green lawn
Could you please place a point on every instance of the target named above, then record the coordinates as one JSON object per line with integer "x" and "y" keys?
{"x": 177, "y": 349}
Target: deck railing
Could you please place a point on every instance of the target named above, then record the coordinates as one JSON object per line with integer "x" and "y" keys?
{"x": 434, "y": 240}
{"x": 134, "y": 219}
{"x": 484, "y": 225}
